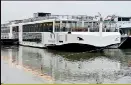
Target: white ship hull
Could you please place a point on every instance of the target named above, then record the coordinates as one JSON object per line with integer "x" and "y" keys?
{"x": 88, "y": 41}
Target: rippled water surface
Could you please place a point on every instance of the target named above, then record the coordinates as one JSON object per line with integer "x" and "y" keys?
{"x": 109, "y": 66}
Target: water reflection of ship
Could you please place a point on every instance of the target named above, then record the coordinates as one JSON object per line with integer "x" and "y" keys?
{"x": 9, "y": 54}
{"x": 113, "y": 54}
{"x": 65, "y": 66}
{"x": 73, "y": 68}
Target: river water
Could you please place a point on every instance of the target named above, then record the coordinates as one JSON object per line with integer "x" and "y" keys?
{"x": 109, "y": 66}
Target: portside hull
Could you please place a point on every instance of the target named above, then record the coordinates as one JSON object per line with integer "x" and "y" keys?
{"x": 75, "y": 47}
{"x": 126, "y": 44}
{"x": 9, "y": 41}
{"x": 32, "y": 44}
{"x": 71, "y": 47}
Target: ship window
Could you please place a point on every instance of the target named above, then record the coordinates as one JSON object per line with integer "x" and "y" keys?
{"x": 31, "y": 28}
{"x": 125, "y": 19}
{"x": 119, "y": 19}
{"x": 15, "y": 29}
{"x": 48, "y": 27}
{"x": 80, "y": 28}
{"x": 27, "y": 28}
{"x": 96, "y": 26}
{"x": 39, "y": 27}
{"x": 93, "y": 26}
{"x": 130, "y": 32}
{"x": 90, "y": 26}
{"x": 35, "y": 27}
{"x": 66, "y": 26}
{"x": 57, "y": 26}
{"x": 109, "y": 27}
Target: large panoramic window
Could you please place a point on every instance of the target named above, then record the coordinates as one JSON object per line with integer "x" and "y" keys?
{"x": 78, "y": 27}
{"x": 93, "y": 26}
{"x": 64, "y": 26}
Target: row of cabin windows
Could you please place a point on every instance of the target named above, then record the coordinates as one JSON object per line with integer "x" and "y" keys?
{"x": 66, "y": 26}
{"x": 37, "y": 40}
{"x": 76, "y": 27}
{"x": 109, "y": 27}
{"x": 38, "y": 27}
{"x": 123, "y": 19}
{"x": 113, "y": 29}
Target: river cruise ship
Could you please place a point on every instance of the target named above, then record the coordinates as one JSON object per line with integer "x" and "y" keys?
{"x": 68, "y": 32}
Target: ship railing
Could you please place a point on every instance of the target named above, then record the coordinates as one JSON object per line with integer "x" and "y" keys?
{"x": 5, "y": 25}
{"x": 4, "y": 33}
{"x": 125, "y": 22}
{"x": 74, "y": 17}
{"x": 15, "y": 21}
{"x": 5, "y": 28}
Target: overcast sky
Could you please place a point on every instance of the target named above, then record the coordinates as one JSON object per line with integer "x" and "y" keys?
{"x": 11, "y": 10}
